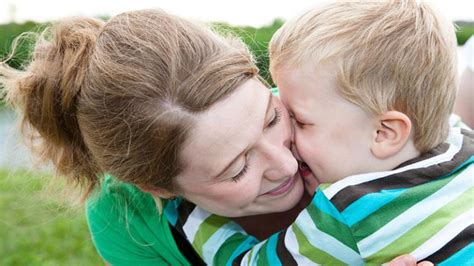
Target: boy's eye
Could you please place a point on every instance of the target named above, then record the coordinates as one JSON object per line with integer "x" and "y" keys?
{"x": 299, "y": 124}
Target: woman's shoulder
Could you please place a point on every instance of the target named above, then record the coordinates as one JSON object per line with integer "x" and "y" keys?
{"x": 124, "y": 222}
{"x": 114, "y": 198}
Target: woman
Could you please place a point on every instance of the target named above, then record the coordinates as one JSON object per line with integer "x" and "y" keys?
{"x": 165, "y": 105}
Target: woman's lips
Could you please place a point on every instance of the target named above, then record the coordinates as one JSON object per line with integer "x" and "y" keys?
{"x": 286, "y": 186}
{"x": 304, "y": 169}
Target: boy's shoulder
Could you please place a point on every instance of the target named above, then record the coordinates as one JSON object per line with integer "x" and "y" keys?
{"x": 445, "y": 160}
{"x": 385, "y": 208}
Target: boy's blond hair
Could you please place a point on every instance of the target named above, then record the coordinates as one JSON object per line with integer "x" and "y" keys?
{"x": 390, "y": 55}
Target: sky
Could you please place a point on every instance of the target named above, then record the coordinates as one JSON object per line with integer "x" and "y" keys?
{"x": 242, "y": 12}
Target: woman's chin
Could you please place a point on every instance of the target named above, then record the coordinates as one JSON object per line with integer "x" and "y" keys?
{"x": 292, "y": 198}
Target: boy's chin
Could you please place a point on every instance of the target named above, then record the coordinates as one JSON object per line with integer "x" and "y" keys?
{"x": 311, "y": 183}
{"x": 310, "y": 180}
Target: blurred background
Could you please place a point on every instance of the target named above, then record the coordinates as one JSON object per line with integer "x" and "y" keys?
{"x": 38, "y": 225}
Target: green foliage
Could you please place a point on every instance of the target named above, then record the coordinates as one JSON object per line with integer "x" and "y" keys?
{"x": 466, "y": 30}
{"x": 256, "y": 38}
{"x": 8, "y": 33}
{"x": 37, "y": 229}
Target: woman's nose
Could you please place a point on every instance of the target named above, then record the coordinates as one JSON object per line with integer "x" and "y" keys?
{"x": 280, "y": 161}
{"x": 293, "y": 129}
{"x": 295, "y": 151}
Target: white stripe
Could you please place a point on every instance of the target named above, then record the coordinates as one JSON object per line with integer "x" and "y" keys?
{"x": 445, "y": 235}
{"x": 292, "y": 245}
{"x": 325, "y": 242}
{"x": 195, "y": 219}
{"x": 416, "y": 214}
{"x": 455, "y": 140}
{"x": 253, "y": 259}
{"x": 211, "y": 246}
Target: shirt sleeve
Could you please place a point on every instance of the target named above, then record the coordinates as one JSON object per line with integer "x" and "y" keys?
{"x": 319, "y": 235}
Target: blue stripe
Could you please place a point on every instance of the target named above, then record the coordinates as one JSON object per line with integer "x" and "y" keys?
{"x": 368, "y": 204}
{"x": 463, "y": 257}
{"x": 171, "y": 210}
{"x": 272, "y": 256}
{"x": 248, "y": 243}
{"x": 325, "y": 205}
{"x": 470, "y": 160}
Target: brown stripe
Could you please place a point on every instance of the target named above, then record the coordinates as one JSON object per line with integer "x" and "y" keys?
{"x": 409, "y": 178}
{"x": 238, "y": 260}
{"x": 283, "y": 254}
{"x": 456, "y": 244}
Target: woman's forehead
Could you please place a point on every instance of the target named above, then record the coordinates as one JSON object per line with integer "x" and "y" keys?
{"x": 229, "y": 127}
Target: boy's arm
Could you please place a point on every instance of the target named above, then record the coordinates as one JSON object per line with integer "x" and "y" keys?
{"x": 318, "y": 236}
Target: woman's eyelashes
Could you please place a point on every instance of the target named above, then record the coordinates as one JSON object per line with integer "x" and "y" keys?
{"x": 276, "y": 118}
{"x": 241, "y": 173}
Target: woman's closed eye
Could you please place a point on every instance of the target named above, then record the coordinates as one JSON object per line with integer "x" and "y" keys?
{"x": 242, "y": 172}
{"x": 276, "y": 118}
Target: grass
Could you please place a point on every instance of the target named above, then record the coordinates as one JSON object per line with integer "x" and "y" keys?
{"x": 40, "y": 229}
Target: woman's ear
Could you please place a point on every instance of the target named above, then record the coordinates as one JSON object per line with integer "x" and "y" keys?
{"x": 157, "y": 192}
{"x": 393, "y": 130}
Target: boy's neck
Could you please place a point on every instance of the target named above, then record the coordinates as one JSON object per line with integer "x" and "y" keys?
{"x": 408, "y": 152}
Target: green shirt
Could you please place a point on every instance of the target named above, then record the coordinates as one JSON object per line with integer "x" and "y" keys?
{"x": 127, "y": 228}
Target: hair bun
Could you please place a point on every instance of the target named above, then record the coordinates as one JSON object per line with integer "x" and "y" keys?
{"x": 46, "y": 92}
{"x": 72, "y": 43}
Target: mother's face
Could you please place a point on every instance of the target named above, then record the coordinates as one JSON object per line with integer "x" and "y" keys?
{"x": 238, "y": 160}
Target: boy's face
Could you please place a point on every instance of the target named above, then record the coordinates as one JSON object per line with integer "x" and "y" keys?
{"x": 332, "y": 135}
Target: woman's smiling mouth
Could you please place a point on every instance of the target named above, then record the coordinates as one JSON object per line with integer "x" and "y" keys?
{"x": 284, "y": 187}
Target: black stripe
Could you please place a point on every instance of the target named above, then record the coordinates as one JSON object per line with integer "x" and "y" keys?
{"x": 238, "y": 260}
{"x": 409, "y": 178}
{"x": 186, "y": 248}
{"x": 456, "y": 244}
{"x": 283, "y": 254}
{"x": 184, "y": 210}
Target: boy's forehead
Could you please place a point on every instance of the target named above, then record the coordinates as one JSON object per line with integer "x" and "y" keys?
{"x": 302, "y": 86}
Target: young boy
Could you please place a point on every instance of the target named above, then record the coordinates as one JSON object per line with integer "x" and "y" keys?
{"x": 370, "y": 86}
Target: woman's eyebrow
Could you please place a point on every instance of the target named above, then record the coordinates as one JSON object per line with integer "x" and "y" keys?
{"x": 235, "y": 158}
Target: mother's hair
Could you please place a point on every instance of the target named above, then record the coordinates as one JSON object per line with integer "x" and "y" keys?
{"x": 121, "y": 97}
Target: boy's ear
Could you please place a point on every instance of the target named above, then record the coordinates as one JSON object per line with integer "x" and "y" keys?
{"x": 157, "y": 192}
{"x": 393, "y": 130}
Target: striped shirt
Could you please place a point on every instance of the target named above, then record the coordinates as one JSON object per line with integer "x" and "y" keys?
{"x": 423, "y": 207}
